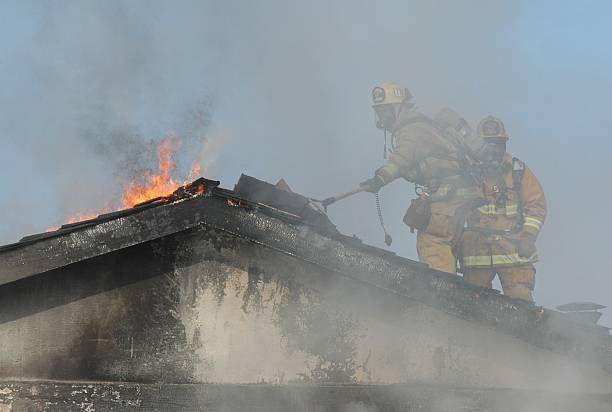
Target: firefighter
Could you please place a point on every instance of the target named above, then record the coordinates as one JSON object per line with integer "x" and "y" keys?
{"x": 430, "y": 154}
{"x": 500, "y": 235}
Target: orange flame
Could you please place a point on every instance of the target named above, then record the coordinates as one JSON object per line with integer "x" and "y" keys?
{"x": 152, "y": 185}
{"x": 195, "y": 171}
{"x": 155, "y": 185}
{"x": 79, "y": 217}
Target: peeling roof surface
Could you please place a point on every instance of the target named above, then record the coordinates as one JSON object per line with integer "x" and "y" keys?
{"x": 288, "y": 223}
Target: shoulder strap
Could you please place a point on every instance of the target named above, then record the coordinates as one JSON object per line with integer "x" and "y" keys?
{"x": 518, "y": 171}
{"x": 518, "y": 164}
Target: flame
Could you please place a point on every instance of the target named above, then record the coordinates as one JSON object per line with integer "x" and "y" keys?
{"x": 154, "y": 185}
{"x": 195, "y": 171}
{"x": 78, "y": 217}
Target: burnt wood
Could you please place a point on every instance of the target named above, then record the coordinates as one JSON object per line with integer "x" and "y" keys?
{"x": 335, "y": 254}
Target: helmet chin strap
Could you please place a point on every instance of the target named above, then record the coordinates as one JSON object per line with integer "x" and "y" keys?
{"x": 386, "y": 122}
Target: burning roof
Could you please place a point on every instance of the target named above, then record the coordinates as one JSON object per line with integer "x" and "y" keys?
{"x": 287, "y": 223}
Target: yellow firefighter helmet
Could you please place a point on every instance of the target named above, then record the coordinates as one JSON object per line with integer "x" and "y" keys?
{"x": 492, "y": 128}
{"x": 389, "y": 93}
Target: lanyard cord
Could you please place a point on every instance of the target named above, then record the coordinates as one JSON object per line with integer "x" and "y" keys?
{"x": 388, "y": 238}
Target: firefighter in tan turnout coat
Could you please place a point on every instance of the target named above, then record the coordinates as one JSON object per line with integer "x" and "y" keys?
{"x": 431, "y": 154}
{"x": 500, "y": 235}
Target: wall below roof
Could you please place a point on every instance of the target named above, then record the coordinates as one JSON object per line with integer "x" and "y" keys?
{"x": 204, "y": 306}
{"x": 92, "y": 396}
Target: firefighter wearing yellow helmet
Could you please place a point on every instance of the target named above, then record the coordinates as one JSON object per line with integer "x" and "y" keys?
{"x": 500, "y": 235}
{"x": 426, "y": 152}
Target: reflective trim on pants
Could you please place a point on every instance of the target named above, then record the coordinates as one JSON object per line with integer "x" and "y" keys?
{"x": 496, "y": 260}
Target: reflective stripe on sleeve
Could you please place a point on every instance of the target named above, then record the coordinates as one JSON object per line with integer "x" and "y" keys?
{"x": 533, "y": 222}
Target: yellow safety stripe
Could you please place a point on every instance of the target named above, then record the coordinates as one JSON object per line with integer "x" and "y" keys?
{"x": 497, "y": 260}
{"x": 491, "y": 209}
{"x": 533, "y": 222}
{"x": 476, "y": 260}
{"x": 512, "y": 259}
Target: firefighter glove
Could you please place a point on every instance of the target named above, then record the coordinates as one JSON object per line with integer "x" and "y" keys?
{"x": 373, "y": 185}
{"x": 526, "y": 247}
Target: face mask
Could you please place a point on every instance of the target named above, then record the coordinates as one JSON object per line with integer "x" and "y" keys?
{"x": 385, "y": 116}
{"x": 492, "y": 155}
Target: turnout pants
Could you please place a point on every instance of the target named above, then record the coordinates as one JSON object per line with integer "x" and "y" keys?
{"x": 517, "y": 281}
{"x": 437, "y": 251}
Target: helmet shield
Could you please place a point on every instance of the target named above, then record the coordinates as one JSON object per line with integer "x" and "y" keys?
{"x": 493, "y": 134}
{"x": 492, "y": 128}
{"x": 389, "y": 93}
{"x": 387, "y": 97}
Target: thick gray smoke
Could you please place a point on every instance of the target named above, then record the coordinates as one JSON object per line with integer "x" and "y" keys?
{"x": 102, "y": 85}
{"x": 92, "y": 83}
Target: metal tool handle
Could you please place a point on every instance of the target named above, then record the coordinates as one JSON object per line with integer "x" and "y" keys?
{"x": 334, "y": 199}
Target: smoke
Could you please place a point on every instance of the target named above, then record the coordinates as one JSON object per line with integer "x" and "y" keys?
{"x": 101, "y": 85}
{"x": 92, "y": 84}
{"x": 297, "y": 103}
{"x": 281, "y": 89}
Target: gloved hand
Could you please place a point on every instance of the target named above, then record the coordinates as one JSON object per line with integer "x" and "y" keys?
{"x": 373, "y": 185}
{"x": 526, "y": 247}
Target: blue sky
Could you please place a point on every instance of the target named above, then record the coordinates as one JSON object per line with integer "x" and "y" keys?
{"x": 86, "y": 84}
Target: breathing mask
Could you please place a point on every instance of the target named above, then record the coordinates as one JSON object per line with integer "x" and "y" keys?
{"x": 491, "y": 155}
{"x": 385, "y": 115}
